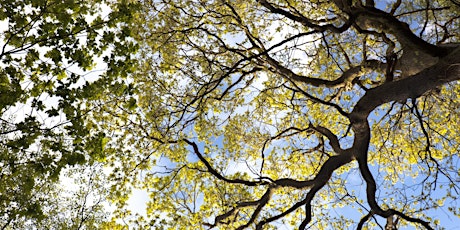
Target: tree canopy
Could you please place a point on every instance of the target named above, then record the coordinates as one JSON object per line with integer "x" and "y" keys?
{"x": 238, "y": 114}
{"x": 48, "y": 49}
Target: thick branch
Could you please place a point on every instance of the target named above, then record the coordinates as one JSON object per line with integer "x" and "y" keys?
{"x": 304, "y": 20}
{"x": 347, "y": 77}
{"x": 447, "y": 70}
{"x": 262, "y": 202}
{"x": 288, "y": 182}
{"x": 372, "y": 17}
{"x": 318, "y": 182}
{"x": 333, "y": 140}
{"x": 411, "y": 219}
{"x": 371, "y": 185}
{"x": 259, "y": 203}
{"x": 369, "y": 17}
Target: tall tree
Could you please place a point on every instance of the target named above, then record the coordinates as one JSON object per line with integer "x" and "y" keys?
{"x": 243, "y": 114}
{"x": 48, "y": 49}
{"x": 257, "y": 114}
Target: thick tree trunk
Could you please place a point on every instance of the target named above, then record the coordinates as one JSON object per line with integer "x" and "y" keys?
{"x": 447, "y": 69}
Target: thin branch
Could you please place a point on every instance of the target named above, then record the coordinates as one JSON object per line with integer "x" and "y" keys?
{"x": 420, "y": 119}
{"x": 421, "y": 10}
{"x": 315, "y": 99}
{"x": 217, "y": 174}
{"x": 279, "y": 135}
{"x": 363, "y": 220}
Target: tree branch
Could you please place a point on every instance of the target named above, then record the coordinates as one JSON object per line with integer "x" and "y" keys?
{"x": 347, "y": 77}
{"x": 304, "y": 20}
{"x": 363, "y": 220}
{"x": 370, "y": 17}
{"x": 315, "y": 99}
{"x": 333, "y": 140}
{"x": 217, "y": 174}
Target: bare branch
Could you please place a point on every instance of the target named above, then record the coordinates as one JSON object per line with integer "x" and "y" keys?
{"x": 315, "y": 99}
{"x": 217, "y": 174}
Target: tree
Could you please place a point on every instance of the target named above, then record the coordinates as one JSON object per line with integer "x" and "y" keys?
{"x": 47, "y": 50}
{"x": 261, "y": 114}
{"x": 255, "y": 114}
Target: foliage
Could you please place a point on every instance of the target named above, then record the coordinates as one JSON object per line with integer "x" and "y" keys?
{"x": 243, "y": 114}
{"x": 48, "y": 51}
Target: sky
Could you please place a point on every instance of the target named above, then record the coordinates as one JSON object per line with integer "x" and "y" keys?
{"x": 355, "y": 181}
{"x": 137, "y": 202}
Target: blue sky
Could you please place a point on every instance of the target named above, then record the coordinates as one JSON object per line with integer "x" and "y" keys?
{"x": 447, "y": 220}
